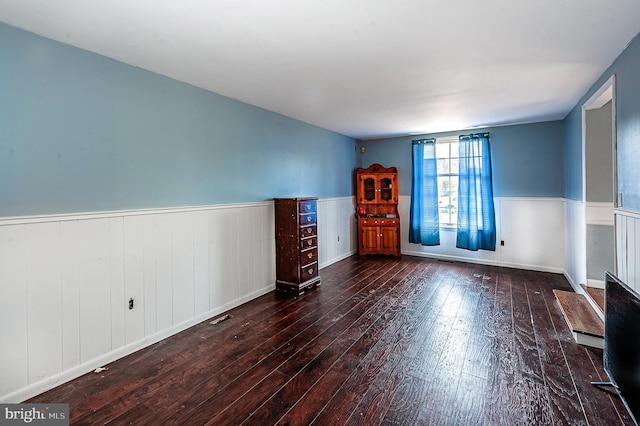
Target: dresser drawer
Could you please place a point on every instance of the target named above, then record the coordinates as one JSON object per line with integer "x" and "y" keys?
{"x": 308, "y": 231}
{"x": 306, "y": 243}
{"x": 308, "y": 255}
{"x": 379, "y": 221}
{"x": 309, "y": 271}
{"x": 308, "y": 206}
{"x": 307, "y": 219}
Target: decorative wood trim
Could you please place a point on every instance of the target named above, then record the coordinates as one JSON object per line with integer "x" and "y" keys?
{"x": 377, "y": 168}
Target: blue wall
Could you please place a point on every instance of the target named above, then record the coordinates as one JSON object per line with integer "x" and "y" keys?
{"x": 527, "y": 159}
{"x": 80, "y": 132}
{"x": 627, "y": 71}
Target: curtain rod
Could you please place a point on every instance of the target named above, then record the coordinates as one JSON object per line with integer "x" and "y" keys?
{"x": 419, "y": 141}
{"x": 425, "y": 140}
{"x": 486, "y": 135}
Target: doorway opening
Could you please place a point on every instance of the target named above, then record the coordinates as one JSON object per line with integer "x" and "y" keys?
{"x": 599, "y": 184}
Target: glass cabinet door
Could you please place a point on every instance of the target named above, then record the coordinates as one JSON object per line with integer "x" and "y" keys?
{"x": 369, "y": 188}
{"x": 386, "y": 189}
{"x": 388, "y": 194}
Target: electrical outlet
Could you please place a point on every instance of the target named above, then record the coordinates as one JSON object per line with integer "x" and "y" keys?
{"x": 502, "y": 242}
{"x": 338, "y": 237}
{"x": 131, "y": 303}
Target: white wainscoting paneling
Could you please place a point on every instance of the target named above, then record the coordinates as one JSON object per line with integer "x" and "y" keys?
{"x": 575, "y": 243}
{"x": 133, "y": 267}
{"x": 336, "y": 229}
{"x": 14, "y": 371}
{"x": 66, "y": 281}
{"x": 532, "y": 229}
{"x": 94, "y": 275}
{"x": 70, "y": 293}
{"x": 43, "y": 300}
{"x": 628, "y": 247}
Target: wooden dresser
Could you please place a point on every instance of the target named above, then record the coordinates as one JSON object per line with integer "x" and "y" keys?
{"x": 296, "y": 245}
{"x": 378, "y": 220}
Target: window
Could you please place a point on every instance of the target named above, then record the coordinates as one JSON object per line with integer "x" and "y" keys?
{"x": 451, "y": 186}
{"x": 447, "y": 165}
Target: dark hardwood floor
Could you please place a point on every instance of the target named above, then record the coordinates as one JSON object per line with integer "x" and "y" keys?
{"x": 407, "y": 341}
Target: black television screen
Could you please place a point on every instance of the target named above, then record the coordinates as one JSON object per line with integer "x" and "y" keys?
{"x": 622, "y": 341}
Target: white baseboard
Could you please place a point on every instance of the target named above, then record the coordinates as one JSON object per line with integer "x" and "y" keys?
{"x": 595, "y": 283}
{"x": 575, "y": 286}
{"x": 337, "y": 259}
{"x": 484, "y": 262}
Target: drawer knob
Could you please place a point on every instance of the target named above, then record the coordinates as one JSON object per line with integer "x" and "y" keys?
{"x": 309, "y": 255}
{"x": 308, "y": 218}
{"x": 309, "y": 242}
{"x": 310, "y": 271}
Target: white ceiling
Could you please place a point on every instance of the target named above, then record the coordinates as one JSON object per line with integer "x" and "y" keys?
{"x": 363, "y": 68}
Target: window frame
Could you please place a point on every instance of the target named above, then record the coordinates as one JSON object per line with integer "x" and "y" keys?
{"x": 447, "y": 140}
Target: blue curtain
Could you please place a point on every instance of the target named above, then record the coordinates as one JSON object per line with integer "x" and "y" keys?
{"x": 424, "y": 227}
{"x": 476, "y": 214}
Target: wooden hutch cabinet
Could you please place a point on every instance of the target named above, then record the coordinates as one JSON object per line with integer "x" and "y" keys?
{"x": 296, "y": 245}
{"x": 378, "y": 220}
